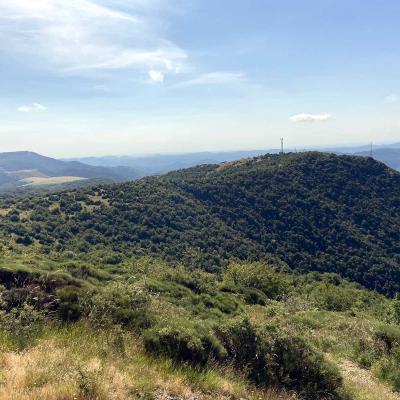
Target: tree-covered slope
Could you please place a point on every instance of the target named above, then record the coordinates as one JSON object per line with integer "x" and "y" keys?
{"x": 313, "y": 211}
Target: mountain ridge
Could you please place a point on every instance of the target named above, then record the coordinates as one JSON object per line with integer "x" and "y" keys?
{"x": 17, "y": 167}
{"x": 314, "y": 211}
{"x": 155, "y": 164}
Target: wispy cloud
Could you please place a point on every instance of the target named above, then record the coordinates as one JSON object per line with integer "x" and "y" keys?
{"x": 79, "y": 36}
{"x": 392, "y": 98}
{"x": 310, "y": 117}
{"x": 34, "y": 107}
{"x": 214, "y": 78}
{"x": 156, "y": 76}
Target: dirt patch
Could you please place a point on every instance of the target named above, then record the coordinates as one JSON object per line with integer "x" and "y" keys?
{"x": 367, "y": 386}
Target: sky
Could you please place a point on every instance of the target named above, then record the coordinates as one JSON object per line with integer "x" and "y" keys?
{"x": 102, "y": 77}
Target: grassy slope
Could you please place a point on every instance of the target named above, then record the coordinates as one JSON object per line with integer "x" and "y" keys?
{"x": 78, "y": 362}
{"x": 86, "y": 361}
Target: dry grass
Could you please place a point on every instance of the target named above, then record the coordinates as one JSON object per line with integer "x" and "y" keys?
{"x": 76, "y": 364}
{"x": 57, "y": 180}
{"x": 229, "y": 164}
{"x": 364, "y": 385}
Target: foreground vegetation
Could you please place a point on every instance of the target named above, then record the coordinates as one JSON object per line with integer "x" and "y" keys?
{"x": 99, "y": 326}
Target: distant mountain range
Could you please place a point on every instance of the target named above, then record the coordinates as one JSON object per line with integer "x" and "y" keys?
{"x": 25, "y": 169}
{"x": 389, "y": 156}
{"x": 157, "y": 164}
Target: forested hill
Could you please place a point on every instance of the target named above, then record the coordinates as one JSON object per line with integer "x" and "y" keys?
{"x": 313, "y": 211}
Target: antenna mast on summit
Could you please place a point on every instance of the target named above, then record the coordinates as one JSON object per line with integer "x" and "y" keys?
{"x": 371, "y": 153}
{"x": 282, "y": 152}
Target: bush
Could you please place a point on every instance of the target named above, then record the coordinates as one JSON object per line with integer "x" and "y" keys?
{"x": 184, "y": 341}
{"x": 119, "y": 304}
{"x": 254, "y": 296}
{"x": 113, "y": 259}
{"x": 386, "y": 354}
{"x": 388, "y": 335}
{"x": 382, "y": 343}
{"x": 333, "y": 298}
{"x": 393, "y": 310}
{"x": 22, "y": 323}
{"x": 257, "y": 276}
{"x": 70, "y": 307}
{"x": 273, "y": 357}
{"x": 387, "y": 369}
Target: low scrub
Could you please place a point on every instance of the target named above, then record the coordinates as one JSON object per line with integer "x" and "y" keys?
{"x": 268, "y": 356}
{"x": 119, "y": 304}
{"x": 271, "y": 357}
{"x": 184, "y": 341}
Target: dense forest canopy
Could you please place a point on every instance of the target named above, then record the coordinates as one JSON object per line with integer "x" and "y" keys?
{"x": 312, "y": 211}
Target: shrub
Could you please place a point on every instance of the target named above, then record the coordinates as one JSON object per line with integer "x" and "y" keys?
{"x": 184, "y": 341}
{"x": 254, "y": 296}
{"x": 70, "y": 307}
{"x": 119, "y": 303}
{"x": 393, "y": 310}
{"x": 26, "y": 240}
{"x": 113, "y": 259}
{"x": 259, "y": 276}
{"x": 386, "y": 351}
{"x": 389, "y": 335}
{"x": 271, "y": 356}
{"x": 22, "y": 323}
{"x": 333, "y": 298}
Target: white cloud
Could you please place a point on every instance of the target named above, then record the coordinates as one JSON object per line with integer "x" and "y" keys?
{"x": 34, "y": 107}
{"x": 79, "y": 36}
{"x": 156, "y": 76}
{"x": 310, "y": 117}
{"x": 215, "y": 78}
{"x": 392, "y": 98}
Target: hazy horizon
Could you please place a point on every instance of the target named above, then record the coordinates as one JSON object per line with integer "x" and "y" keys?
{"x": 349, "y": 146}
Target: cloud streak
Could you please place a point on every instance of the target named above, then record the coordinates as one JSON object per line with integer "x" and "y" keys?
{"x": 214, "y": 78}
{"x": 79, "y": 36}
{"x": 310, "y": 117}
{"x": 31, "y": 108}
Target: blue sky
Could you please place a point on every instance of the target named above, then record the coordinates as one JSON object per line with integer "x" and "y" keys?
{"x": 93, "y": 77}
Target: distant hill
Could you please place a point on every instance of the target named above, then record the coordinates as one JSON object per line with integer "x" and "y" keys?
{"x": 22, "y": 169}
{"x": 389, "y": 156}
{"x": 313, "y": 211}
{"x": 157, "y": 164}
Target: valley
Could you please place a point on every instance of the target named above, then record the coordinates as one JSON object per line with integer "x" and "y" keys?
{"x": 21, "y": 170}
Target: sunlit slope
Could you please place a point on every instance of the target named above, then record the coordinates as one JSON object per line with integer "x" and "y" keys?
{"x": 312, "y": 211}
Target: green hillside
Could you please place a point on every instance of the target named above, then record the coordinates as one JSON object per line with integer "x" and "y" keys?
{"x": 312, "y": 211}
{"x": 94, "y": 327}
{"x": 217, "y": 282}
